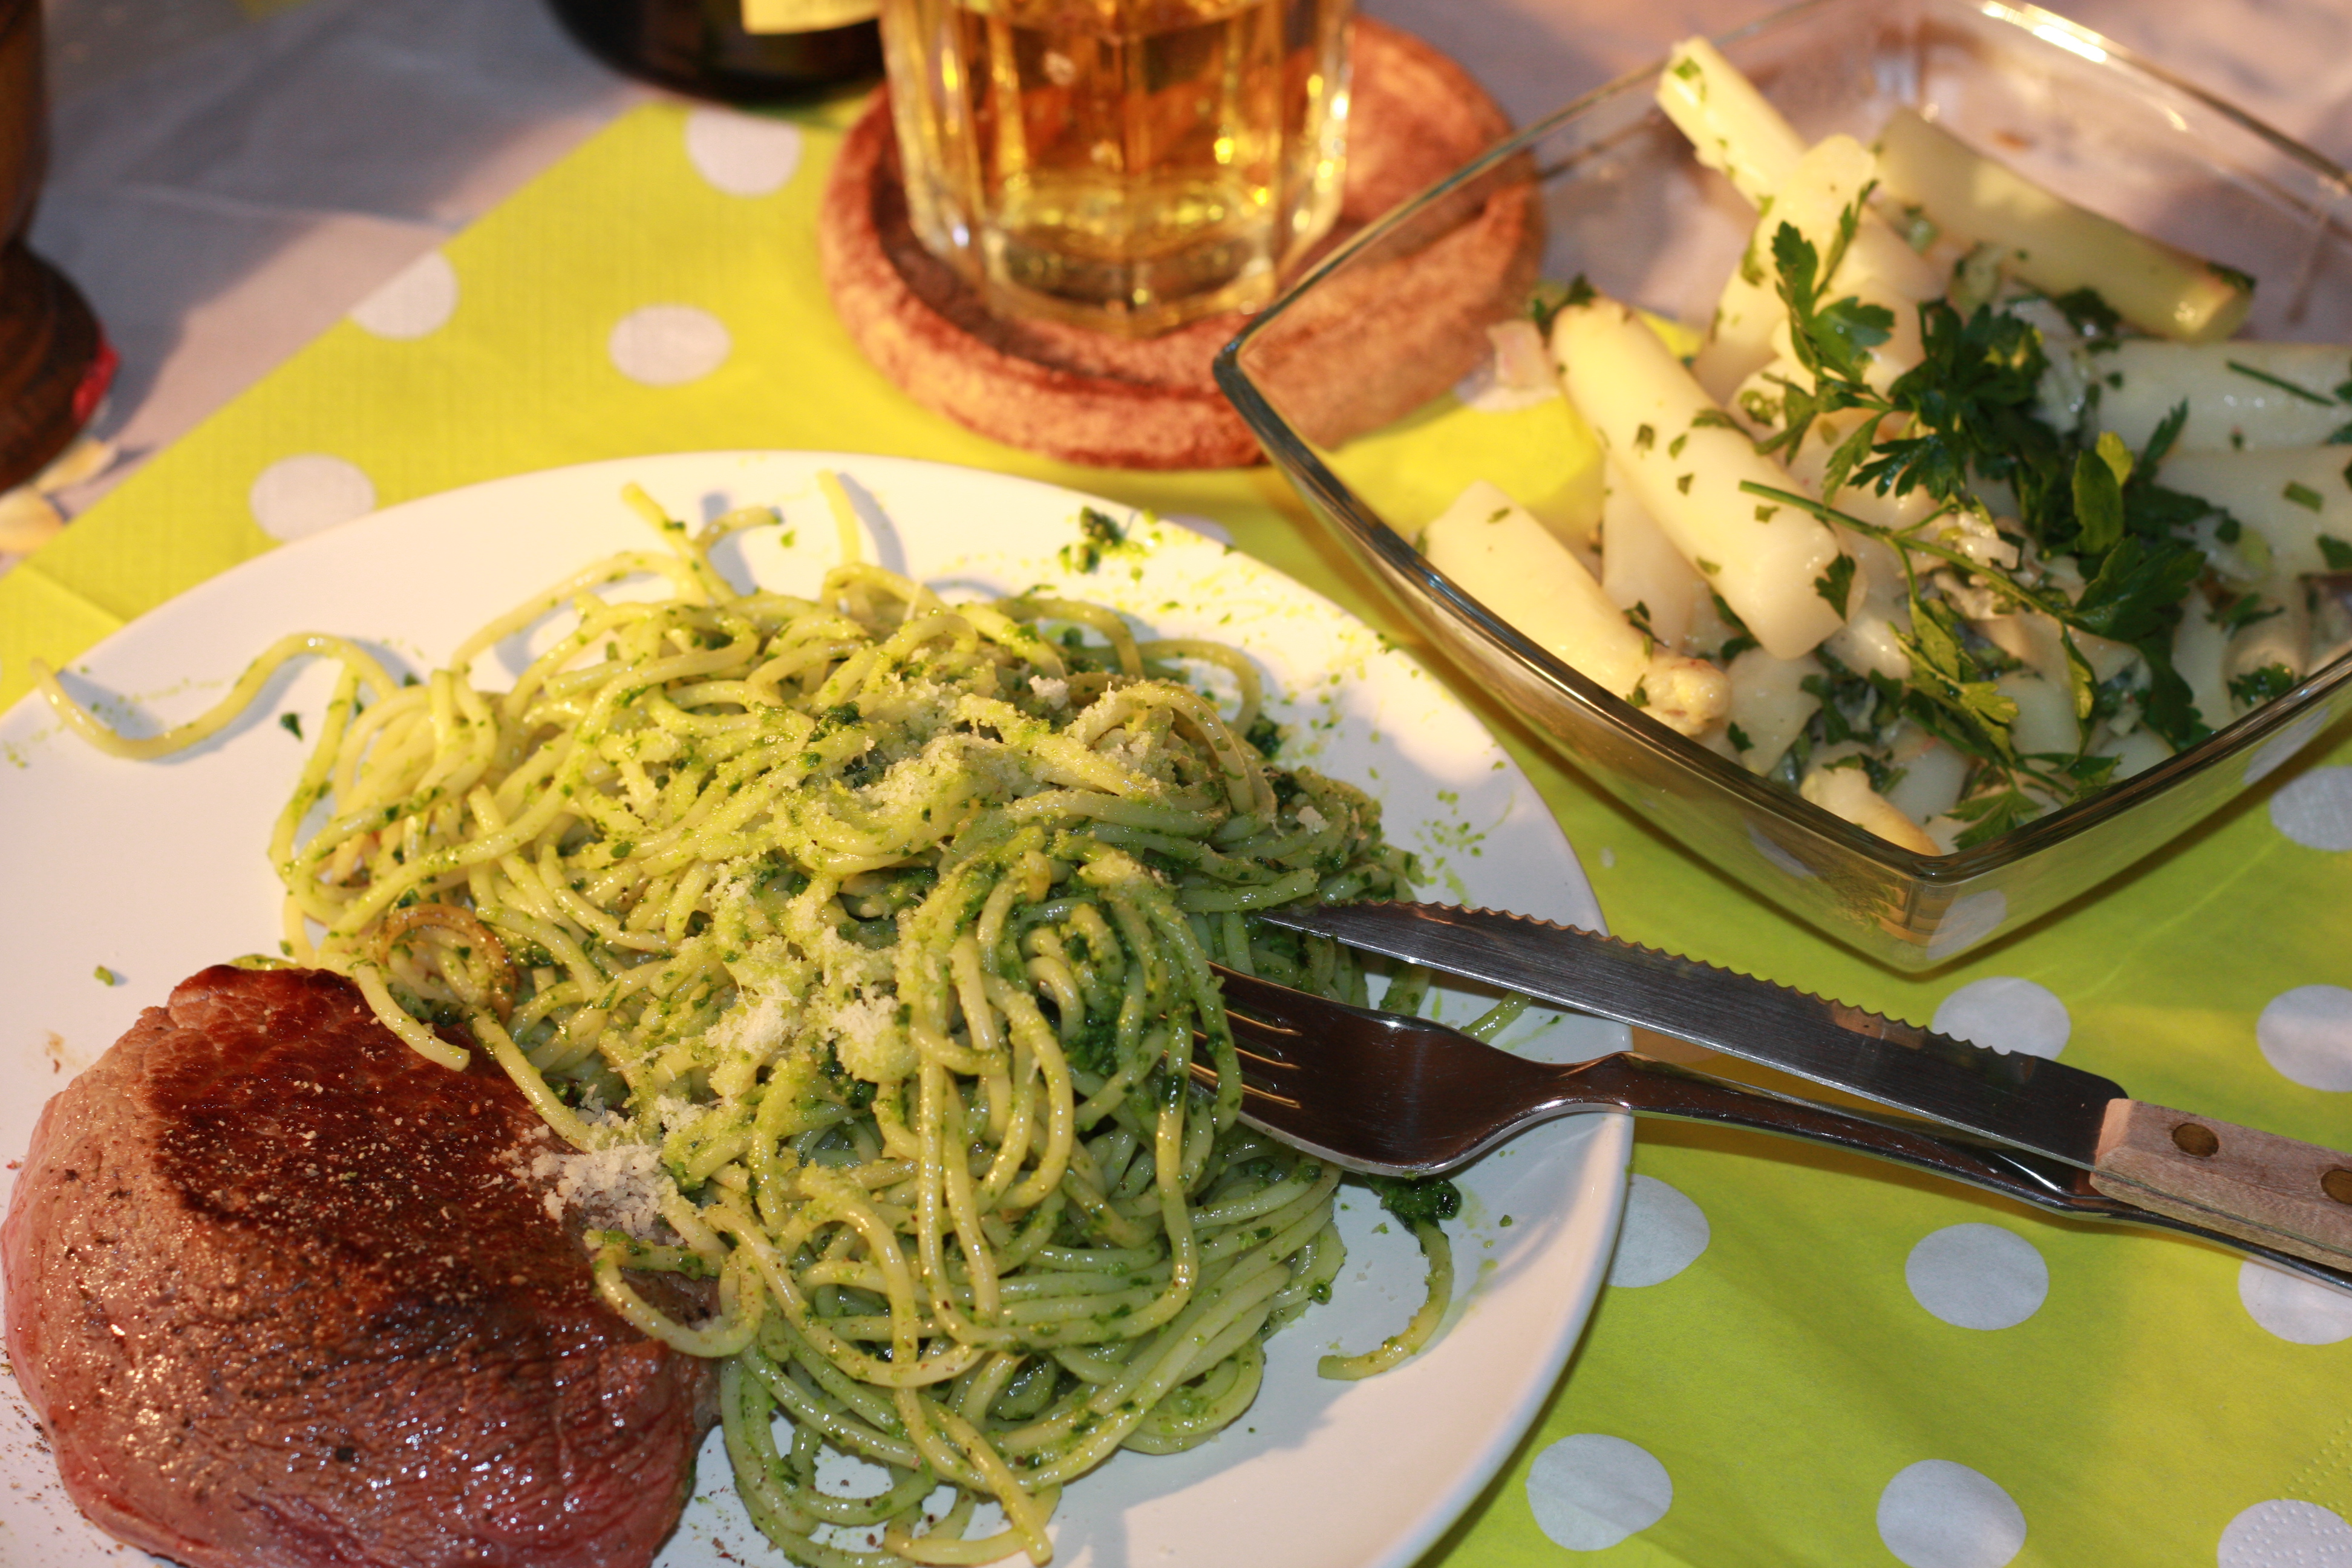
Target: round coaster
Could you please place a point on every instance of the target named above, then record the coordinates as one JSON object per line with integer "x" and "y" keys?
{"x": 1150, "y": 403}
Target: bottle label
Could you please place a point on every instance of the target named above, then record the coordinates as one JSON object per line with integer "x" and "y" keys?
{"x": 804, "y": 15}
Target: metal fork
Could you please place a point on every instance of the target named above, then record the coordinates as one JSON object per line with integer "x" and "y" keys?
{"x": 1397, "y": 1096}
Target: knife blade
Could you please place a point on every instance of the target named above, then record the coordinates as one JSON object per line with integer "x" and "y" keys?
{"x": 2242, "y": 1181}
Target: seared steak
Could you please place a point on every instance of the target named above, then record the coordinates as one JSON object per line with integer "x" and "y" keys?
{"x": 282, "y": 1294}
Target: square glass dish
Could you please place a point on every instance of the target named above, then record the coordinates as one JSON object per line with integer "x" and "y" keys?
{"x": 1355, "y": 383}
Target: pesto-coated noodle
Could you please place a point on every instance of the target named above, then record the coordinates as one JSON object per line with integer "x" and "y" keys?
{"x": 886, "y": 924}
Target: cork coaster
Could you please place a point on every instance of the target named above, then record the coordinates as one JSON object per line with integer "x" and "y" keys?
{"x": 1094, "y": 398}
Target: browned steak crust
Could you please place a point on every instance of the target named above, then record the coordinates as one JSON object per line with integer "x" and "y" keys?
{"x": 280, "y": 1296}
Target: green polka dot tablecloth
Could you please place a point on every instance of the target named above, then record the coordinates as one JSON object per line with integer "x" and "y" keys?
{"x": 1801, "y": 1358}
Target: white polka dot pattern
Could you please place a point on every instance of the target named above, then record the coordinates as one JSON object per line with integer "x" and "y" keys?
{"x": 414, "y": 302}
{"x": 2299, "y": 1311}
{"x": 1968, "y": 922}
{"x": 1663, "y": 1234}
{"x": 2306, "y": 1034}
{"x": 743, "y": 154}
{"x": 2003, "y": 1013}
{"x": 1778, "y": 858}
{"x": 1977, "y": 1276}
{"x": 2280, "y": 749}
{"x": 2285, "y": 1534}
{"x": 669, "y": 345}
{"x": 298, "y": 495}
{"x": 2315, "y": 810}
{"x": 1937, "y": 1514}
{"x": 1591, "y": 1491}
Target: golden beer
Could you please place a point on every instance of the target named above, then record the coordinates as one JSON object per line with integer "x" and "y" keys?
{"x": 1123, "y": 164}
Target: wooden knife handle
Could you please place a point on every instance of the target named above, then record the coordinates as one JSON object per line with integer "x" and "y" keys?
{"x": 2281, "y": 1192}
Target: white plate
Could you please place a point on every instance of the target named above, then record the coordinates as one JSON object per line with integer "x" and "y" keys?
{"x": 154, "y": 870}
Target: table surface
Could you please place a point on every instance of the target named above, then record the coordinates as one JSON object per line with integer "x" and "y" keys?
{"x": 1802, "y": 1358}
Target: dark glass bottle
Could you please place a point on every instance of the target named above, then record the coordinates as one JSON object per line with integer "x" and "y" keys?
{"x": 55, "y": 364}
{"x": 703, "y": 46}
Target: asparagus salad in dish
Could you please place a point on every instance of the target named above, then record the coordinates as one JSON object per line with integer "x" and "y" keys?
{"x": 1964, "y": 506}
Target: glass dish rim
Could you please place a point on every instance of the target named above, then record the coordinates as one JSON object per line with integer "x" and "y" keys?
{"x": 1308, "y": 472}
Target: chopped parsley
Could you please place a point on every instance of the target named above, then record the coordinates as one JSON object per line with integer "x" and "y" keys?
{"x": 2260, "y": 686}
{"x": 1422, "y": 1200}
{"x": 1098, "y": 535}
{"x": 2283, "y": 384}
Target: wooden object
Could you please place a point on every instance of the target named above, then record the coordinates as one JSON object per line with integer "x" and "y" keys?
{"x": 1091, "y": 398}
{"x": 2277, "y": 1192}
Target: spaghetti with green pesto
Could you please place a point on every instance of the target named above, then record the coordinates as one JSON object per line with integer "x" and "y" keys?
{"x": 880, "y": 929}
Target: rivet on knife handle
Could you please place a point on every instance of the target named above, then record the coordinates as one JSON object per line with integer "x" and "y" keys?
{"x": 2258, "y": 1187}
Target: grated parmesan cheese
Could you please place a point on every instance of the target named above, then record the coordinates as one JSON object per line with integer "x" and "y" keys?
{"x": 868, "y": 1041}
{"x": 617, "y": 1188}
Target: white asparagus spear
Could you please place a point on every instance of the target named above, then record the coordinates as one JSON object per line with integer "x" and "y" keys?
{"x": 2038, "y": 640}
{"x": 1846, "y": 793}
{"x": 1640, "y": 565}
{"x": 2143, "y": 379}
{"x": 1685, "y": 460}
{"x": 1769, "y": 706}
{"x": 1870, "y": 641}
{"x": 2282, "y": 637}
{"x": 1730, "y": 125}
{"x": 2054, "y": 245}
{"x": 1751, "y": 323}
{"x": 1757, "y": 406}
{"x": 2198, "y": 648}
{"x": 1933, "y": 775}
{"x": 2135, "y": 752}
{"x": 1878, "y": 268}
{"x": 1688, "y": 696}
{"x": 2045, "y": 721}
{"x": 1507, "y": 561}
{"x": 1739, "y": 338}
{"x": 2297, "y": 498}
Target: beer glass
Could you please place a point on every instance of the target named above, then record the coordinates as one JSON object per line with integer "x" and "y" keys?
{"x": 1127, "y": 166}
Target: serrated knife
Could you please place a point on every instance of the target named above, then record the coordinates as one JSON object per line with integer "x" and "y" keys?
{"x": 2276, "y": 1192}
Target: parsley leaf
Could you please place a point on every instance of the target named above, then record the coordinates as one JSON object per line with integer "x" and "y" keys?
{"x": 2257, "y": 687}
{"x": 2098, "y": 503}
{"x": 1972, "y": 396}
{"x": 2092, "y": 319}
{"x": 2239, "y": 611}
{"x": 2168, "y": 706}
{"x": 2138, "y": 590}
{"x": 1990, "y": 816}
{"x": 1837, "y": 585}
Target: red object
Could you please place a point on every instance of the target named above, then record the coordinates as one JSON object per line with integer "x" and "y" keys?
{"x": 282, "y": 1292}
{"x": 95, "y": 381}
